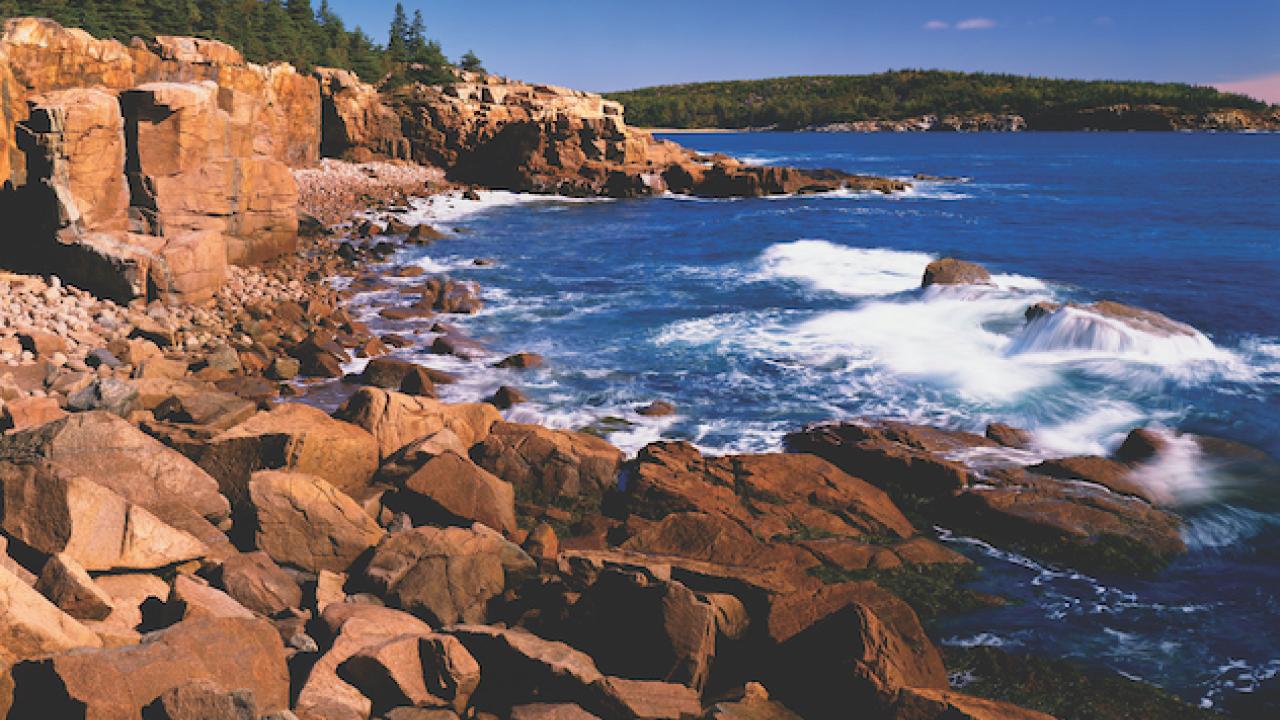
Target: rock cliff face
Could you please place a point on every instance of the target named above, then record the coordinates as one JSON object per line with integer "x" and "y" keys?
{"x": 146, "y": 169}
{"x": 507, "y": 134}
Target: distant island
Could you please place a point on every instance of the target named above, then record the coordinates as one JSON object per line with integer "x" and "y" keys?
{"x": 937, "y": 100}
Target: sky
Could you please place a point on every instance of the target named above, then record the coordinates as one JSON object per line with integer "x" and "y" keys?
{"x": 615, "y": 44}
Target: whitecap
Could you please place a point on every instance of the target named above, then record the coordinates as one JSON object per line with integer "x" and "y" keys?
{"x": 848, "y": 271}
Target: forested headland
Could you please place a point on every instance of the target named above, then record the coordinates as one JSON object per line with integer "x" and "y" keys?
{"x": 797, "y": 102}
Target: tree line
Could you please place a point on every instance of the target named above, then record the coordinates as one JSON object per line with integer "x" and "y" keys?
{"x": 265, "y": 31}
{"x": 796, "y": 102}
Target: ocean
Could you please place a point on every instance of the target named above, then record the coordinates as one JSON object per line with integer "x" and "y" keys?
{"x": 757, "y": 316}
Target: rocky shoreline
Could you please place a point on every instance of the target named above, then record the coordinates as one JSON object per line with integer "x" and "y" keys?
{"x": 409, "y": 553}
{"x": 185, "y": 534}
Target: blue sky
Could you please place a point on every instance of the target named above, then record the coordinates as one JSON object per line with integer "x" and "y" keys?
{"x": 612, "y": 44}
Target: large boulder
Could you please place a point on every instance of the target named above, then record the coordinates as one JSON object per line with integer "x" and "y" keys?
{"x": 449, "y": 488}
{"x": 446, "y": 575}
{"x": 414, "y": 670}
{"x": 640, "y": 626}
{"x": 518, "y": 666}
{"x": 772, "y": 495}
{"x": 32, "y": 626}
{"x": 396, "y": 419}
{"x": 293, "y": 437}
{"x": 256, "y": 582}
{"x": 230, "y": 653}
{"x": 905, "y": 460}
{"x": 950, "y": 271}
{"x": 91, "y": 524}
{"x": 69, "y": 586}
{"x": 848, "y": 645}
{"x": 549, "y": 464}
{"x": 118, "y": 456}
{"x": 325, "y": 694}
{"x": 303, "y": 521}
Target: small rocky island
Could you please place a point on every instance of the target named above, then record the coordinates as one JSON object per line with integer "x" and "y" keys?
{"x": 183, "y": 535}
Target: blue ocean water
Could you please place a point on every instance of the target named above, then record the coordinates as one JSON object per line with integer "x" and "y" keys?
{"x": 757, "y": 316}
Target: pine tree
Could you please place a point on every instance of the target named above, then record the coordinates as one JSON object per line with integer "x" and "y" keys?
{"x": 398, "y": 38}
{"x": 471, "y": 62}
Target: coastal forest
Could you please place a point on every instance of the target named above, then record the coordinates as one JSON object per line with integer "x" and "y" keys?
{"x": 797, "y": 102}
{"x": 293, "y": 31}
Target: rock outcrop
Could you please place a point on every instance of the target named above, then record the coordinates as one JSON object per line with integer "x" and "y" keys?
{"x": 145, "y": 169}
{"x": 501, "y": 133}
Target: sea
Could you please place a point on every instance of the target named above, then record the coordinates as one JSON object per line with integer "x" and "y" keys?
{"x": 757, "y": 316}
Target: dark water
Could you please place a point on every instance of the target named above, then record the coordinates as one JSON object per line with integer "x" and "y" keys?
{"x": 757, "y": 316}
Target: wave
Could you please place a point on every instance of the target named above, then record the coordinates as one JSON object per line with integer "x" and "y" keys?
{"x": 849, "y": 271}
{"x": 1080, "y": 333}
{"x": 452, "y": 208}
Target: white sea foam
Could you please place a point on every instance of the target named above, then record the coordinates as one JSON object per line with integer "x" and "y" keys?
{"x": 451, "y": 209}
{"x": 1080, "y": 333}
{"x": 848, "y": 271}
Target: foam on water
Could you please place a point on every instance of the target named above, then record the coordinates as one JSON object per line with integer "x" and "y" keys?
{"x": 848, "y": 271}
{"x": 1080, "y": 333}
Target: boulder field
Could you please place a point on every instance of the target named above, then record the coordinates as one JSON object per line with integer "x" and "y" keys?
{"x": 193, "y": 544}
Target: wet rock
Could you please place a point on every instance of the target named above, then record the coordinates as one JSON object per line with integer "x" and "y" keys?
{"x": 657, "y": 408}
{"x": 1110, "y": 474}
{"x": 1140, "y": 445}
{"x": 1009, "y": 436}
{"x": 507, "y": 397}
{"x": 446, "y": 575}
{"x": 458, "y": 346}
{"x": 303, "y": 521}
{"x": 548, "y": 463}
{"x": 524, "y": 360}
{"x": 950, "y": 271}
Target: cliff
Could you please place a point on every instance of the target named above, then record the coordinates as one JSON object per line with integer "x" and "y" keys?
{"x": 146, "y": 169}
{"x": 492, "y": 131}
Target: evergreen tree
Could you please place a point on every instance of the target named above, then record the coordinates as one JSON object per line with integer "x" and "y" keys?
{"x": 126, "y": 20}
{"x": 471, "y": 62}
{"x": 398, "y": 38}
